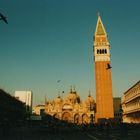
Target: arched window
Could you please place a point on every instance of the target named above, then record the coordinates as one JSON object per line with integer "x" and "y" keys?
{"x": 105, "y": 51}
{"x": 102, "y": 51}
{"x": 98, "y": 51}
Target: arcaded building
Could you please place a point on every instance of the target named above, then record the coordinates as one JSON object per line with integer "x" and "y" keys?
{"x": 71, "y": 108}
{"x": 131, "y": 104}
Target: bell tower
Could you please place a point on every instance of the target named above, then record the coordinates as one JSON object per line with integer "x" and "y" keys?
{"x": 104, "y": 98}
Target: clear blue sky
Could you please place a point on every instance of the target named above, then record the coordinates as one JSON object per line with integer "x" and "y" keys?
{"x": 48, "y": 40}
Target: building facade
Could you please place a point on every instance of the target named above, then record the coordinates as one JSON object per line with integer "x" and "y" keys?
{"x": 38, "y": 109}
{"x": 131, "y": 104}
{"x": 11, "y": 110}
{"x": 26, "y": 97}
{"x": 71, "y": 108}
{"x": 117, "y": 109}
{"x": 103, "y": 78}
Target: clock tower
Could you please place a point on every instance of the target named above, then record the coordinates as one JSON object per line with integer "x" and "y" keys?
{"x": 104, "y": 98}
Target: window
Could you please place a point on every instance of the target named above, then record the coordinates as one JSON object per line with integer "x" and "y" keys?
{"x": 98, "y": 51}
{"x": 102, "y": 51}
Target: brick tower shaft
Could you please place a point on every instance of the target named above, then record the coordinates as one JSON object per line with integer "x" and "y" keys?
{"x": 104, "y": 98}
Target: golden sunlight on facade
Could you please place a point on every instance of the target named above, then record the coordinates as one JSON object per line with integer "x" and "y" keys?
{"x": 131, "y": 104}
{"x": 71, "y": 108}
{"x": 104, "y": 98}
{"x": 38, "y": 109}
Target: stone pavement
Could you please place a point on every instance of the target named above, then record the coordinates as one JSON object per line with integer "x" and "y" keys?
{"x": 70, "y": 133}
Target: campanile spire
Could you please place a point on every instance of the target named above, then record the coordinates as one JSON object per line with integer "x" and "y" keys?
{"x": 100, "y": 30}
{"x": 104, "y": 98}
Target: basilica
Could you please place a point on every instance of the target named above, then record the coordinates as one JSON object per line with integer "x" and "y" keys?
{"x": 71, "y": 108}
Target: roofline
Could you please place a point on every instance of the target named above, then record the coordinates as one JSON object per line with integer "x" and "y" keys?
{"x": 99, "y": 19}
{"x": 131, "y": 87}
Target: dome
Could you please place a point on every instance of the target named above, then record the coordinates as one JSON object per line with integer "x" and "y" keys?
{"x": 58, "y": 100}
{"x": 89, "y": 100}
{"x": 73, "y": 97}
{"x": 90, "y": 103}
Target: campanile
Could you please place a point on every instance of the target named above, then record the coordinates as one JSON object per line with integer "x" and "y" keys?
{"x": 104, "y": 98}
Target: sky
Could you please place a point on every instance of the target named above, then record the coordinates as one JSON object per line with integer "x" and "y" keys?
{"x": 50, "y": 40}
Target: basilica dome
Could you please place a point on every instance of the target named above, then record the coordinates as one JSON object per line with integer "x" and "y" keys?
{"x": 58, "y": 100}
{"x": 89, "y": 100}
{"x": 73, "y": 97}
